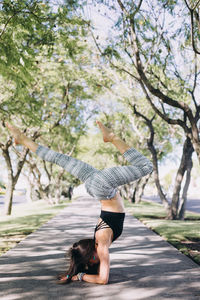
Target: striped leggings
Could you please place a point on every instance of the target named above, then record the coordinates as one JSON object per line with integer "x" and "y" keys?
{"x": 101, "y": 184}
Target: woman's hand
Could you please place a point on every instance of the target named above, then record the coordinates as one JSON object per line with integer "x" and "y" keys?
{"x": 74, "y": 278}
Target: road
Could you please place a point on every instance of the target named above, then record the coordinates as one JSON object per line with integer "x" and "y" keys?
{"x": 191, "y": 205}
{"x": 19, "y": 198}
{"x": 143, "y": 266}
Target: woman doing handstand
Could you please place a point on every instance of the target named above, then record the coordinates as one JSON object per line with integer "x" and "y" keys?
{"x": 88, "y": 255}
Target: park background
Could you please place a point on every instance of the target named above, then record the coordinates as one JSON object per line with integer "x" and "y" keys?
{"x": 132, "y": 65}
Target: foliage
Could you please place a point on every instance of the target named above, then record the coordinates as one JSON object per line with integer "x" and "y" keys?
{"x": 31, "y": 32}
{"x": 53, "y": 77}
{"x": 154, "y": 42}
{"x": 46, "y": 85}
{"x": 93, "y": 151}
{"x": 26, "y": 27}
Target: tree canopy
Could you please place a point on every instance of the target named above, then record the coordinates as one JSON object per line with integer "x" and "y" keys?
{"x": 57, "y": 72}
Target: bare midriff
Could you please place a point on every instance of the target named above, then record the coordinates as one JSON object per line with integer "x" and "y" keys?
{"x": 114, "y": 204}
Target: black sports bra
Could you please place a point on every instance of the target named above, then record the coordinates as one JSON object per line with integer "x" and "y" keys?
{"x": 111, "y": 220}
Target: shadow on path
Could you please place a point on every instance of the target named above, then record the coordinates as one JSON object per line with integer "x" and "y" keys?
{"x": 143, "y": 266}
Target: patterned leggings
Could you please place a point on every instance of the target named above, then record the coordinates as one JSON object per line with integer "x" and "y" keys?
{"x": 101, "y": 184}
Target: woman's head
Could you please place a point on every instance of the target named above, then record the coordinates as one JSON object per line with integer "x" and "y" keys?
{"x": 81, "y": 255}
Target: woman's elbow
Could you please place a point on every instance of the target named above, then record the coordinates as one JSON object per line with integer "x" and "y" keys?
{"x": 103, "y": 281}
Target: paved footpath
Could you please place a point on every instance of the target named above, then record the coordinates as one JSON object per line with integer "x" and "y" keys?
{"x": 143, "y": 266}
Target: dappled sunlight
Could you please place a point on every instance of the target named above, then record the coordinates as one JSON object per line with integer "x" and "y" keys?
{"x": 143, "y": 265}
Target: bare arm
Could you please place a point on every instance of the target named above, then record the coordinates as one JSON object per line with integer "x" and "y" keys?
{"x": 102, "y": 277}
{"x": 104, "y": 269}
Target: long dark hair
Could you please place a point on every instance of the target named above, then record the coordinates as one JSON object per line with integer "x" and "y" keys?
{"x": 79, "y": 255}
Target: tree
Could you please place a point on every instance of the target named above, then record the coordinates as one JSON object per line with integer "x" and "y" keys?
{"x": 56, "y": 177}
{"x": 176, "y": 209}
{"x": 147, "y": 51}
{"x": 12, "y": 178}
{"x": 194, "y": 8}
{"x": 31, "y": 37}
{"x": 154, "y": 153}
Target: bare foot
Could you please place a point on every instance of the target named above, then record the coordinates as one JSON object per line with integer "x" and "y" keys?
{"x": 108, "y": 134}
{"x": 16, "y": 133}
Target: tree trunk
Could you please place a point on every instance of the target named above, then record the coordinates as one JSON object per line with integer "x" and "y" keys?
{"x": 156, "y": 176}
{"x": 35, "y": 171}
{"x": 125, "y": 192}
{"x": 142, "y": 187}
{"x": 186, "y": 155}
{"x": 136, "y": 191}
{"x": 9, "y": 196}
{"x": 12, "y": 179}
{"x": 139, "y": 189}
{"x": 181, "y": 210}
{"x": 152, "y": 149}
{"x": 29, "y": 195}
{"x": 43, "y": 192}
{"x": 57, "y": 185}
{"x": 196, "y": 146}
{"x": 161, "y": 194}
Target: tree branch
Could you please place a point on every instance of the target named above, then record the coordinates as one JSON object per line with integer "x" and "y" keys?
{"x": 6, "y": 156}
{"x": 192, "y": 32}
{"x": 158, "y": 78}
{"x": 187, "y": 5}
{"x": 195, "y": 84}
{"x": 46, "y": 170}
{"x": 9, "y": 19}
{"x": 65, "y": 95}
{"x": 20, "y": 165}
{"x": 112, "y": 64}
{"x": 198, "y": 2}
{"x": 139, "y": 5}
{"x": 162, "y": 115}
{"x": 149, "y": 124}
{"x": 122, "y": 6}
{"x": 192, "y": 14}
{"x": 155, "y": 91}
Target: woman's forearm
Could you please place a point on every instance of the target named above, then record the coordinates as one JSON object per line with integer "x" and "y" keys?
{"x": 94, "y": 279}
{"x": 91, "y": 279}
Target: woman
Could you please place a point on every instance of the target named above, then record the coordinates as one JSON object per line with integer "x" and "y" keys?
{"x": 89, "y": 258}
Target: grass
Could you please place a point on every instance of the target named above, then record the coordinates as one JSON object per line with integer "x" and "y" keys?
{"x": 184, "y": 235}
{"x": 25, "y": 219}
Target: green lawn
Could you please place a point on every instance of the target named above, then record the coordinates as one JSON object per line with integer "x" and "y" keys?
{"x": 25, "y": 219}
{"x": 184, "y": 235}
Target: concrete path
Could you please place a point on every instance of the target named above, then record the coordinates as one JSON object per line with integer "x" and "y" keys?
{"x": 143, "y": 266}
